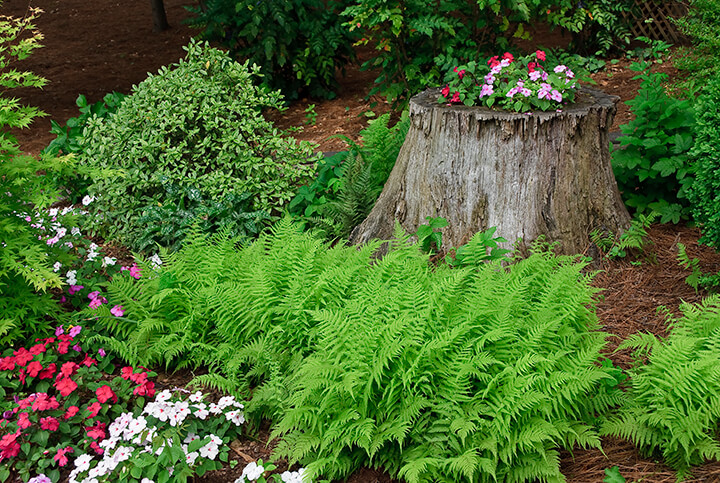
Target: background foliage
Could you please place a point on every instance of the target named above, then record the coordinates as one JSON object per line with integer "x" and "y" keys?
{"x": 652, "y": 167}
{"x": 298, "y": 44}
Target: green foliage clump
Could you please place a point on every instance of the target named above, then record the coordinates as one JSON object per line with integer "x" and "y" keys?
{"x": 702, "y": 25}
{"x": 433, "y": 373}
{"x": 25, "y": 274}
{"x": 416, "y": 42}
{"x": 652, "y": 167}
{"x": 348, "y": 183}
{"x": 704, "y": 193}
{"x": 673, "y": 402}
{"x": 167, "y": 225}
{"x": 471, "y": 374}
{"x": 299, "y": 44}
{"x": 67, "y": 140}
{"x": 196, "y": 124}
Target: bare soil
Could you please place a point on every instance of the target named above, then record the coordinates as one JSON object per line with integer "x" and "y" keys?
{"x": 93, "y": 48}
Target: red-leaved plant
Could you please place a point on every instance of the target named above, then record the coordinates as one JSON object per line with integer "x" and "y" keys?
{"x": 57, "y": 401}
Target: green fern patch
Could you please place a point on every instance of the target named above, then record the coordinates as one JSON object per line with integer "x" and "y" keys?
{"x": 673, "y": 405}
{"x": 479, "y": 373}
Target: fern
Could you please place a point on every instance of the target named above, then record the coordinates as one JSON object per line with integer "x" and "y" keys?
{"x": 673, "y": 405}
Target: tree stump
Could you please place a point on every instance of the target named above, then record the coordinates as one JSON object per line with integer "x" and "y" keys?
{"x": 544, "y": 173}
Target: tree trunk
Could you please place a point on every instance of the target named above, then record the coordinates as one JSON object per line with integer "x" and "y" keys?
{"x": 160, "y": 22}
{"x": 545, "y": 173}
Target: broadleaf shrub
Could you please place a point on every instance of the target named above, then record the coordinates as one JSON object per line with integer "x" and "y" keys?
{"x": 704, "y": 193}
{"x": 673, "y": 402}
{"x": 651, "y": 166}
{"x": 196, "y": 124}
{"x": 702, "y": 25}
{"x": 433, "y": 373}
{"x": 299, "y": 44}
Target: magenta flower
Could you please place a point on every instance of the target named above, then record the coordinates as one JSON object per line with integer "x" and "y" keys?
{"x": 117, "y": 311}
{"x": 75, "y": 331}
{"x": 75, "y": 289}
{"x": 556, "y": 96}
{"x": 59, "y": 331}
{"x": 101, "y": 351}
{"x": 94, "y": 295}
{"x": 535, "y": 75}
{"x": 486, "y": 90}
{"x": 97, "y": 302}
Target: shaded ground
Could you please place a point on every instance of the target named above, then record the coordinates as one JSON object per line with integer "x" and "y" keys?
{"x": 94, "y": 48}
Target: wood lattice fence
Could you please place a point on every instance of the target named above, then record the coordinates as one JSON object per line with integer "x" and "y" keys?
{"x": 653, "y": 19}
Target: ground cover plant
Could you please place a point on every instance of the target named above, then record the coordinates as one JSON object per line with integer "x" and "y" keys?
{"x": 278, "y": 315}
{"x": 197, "y": 124}
{"x": 673, "y": 403}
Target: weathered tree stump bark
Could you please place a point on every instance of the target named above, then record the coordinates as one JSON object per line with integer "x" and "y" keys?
{"x": 545, "y": 173}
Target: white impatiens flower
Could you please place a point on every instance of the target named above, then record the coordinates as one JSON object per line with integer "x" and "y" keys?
{"x": 82, "y": 462}
{"x": 209, "y": 451}
{"x": 226, "y": 401}
{"x": 146, "y": 480}
{"x": 298, "y": 476}
{"x": 236, "y": 417}
{"x": 71, "y": 277}
{"x": 57, "y": 266}
{"x": 155, "y": 259}
{"x": 252, "y": 472}
{"x": 196, "y": 397}
{"x": 108, "y": 261}
{"x": 87, "y": 199}
{"x": 75, "y": 231}
{"x": 53, "y": 212}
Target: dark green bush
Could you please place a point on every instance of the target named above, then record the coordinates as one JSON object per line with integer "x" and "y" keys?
{"x": 673, "y": 403}
{"x": 704, "y": 193}
{"x": 478, "y": 373}
{"x": 651, "y": 167}
{"x": 298, "y": 44}
{"x": 197, "y": 124}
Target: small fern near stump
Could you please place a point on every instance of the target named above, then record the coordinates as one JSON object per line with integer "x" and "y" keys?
{"x": 545, "y": 173}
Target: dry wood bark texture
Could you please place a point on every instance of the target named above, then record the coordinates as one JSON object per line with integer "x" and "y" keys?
{"x": 545, "y": 173}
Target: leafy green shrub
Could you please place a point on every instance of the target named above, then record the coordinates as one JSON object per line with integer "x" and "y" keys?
{"x": 652, "y": 167}
{"x": 430, "y": 372}
{"x": 704, "y": 193}
{"x": 416, "y": 42}
{"x": 673, "y": 403}
{"x": 299, "y": 44}
{"x": 167, "y": 225}
{"x": 702, "y": 25}
{"x": 348, "y": 183}
{"x": 197, "y": 125}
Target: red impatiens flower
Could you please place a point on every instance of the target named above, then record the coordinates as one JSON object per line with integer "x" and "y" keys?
{"x": 540, "y": 54}
{"x": 493, "y": 61}
{"x": 68, "y": 369}
{"x": 94, "y": 409}
{"x": 37, "y": 349}
{"x": 445, "y": 91}
{"x": 88, "y": 361}
{"x": 9, "y": 447}
{"x": 63, "y": 347}
{"x": 60, "y": 456}
{"x": 22, "y": 356}
{"x": 147, "y": 389}
{"x": 139, "y": 378}
{"x": 532, "y": 66}
{"x": 455, "y": 97}
{"x": 104, "y": 393}
{"x": 71, "y": 411}
{"x": 34, "y": 368}
{"x": 22, "y": 376}
{"x": 65, "y": 386}
{"x": 48, "y": 372}
{"x": 7, "y": 363}
{"x": 96, "y": 432}
{"x": 126, "y": 372}
{"x": 49, "y": 423}
{"x": 508, "y": 56}
{"x": 43, "y": 402}
{"x": 23, "y": 421}
{"x": 96, "y": 447}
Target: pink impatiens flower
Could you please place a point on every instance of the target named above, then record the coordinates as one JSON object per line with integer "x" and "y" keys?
{"x": 117, "y": 311}
{"x": 486, "y": 90}
{"x": 60, "y": 456}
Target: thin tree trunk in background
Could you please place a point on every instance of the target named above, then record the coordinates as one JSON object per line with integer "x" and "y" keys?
{"x": 545, "y": 174}
{"x": 160, "y": 22}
